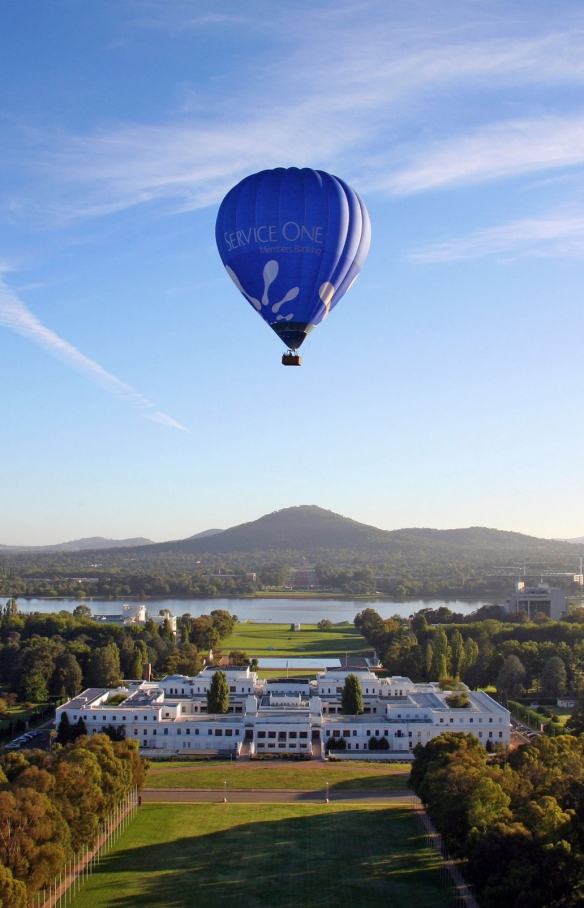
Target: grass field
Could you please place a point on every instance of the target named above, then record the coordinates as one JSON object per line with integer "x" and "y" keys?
{"x": 255, "y": 639}
{"x": 281, "y": 778}
{"x": 267, "y": 856}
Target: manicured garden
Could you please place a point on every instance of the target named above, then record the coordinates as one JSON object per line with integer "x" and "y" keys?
{"x": 268, "y": 856}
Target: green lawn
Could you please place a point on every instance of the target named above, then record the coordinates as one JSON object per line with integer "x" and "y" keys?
{"x": 268, "y": 856}
{"x": 255, "y": 639}
{"x": 277, "y": 777}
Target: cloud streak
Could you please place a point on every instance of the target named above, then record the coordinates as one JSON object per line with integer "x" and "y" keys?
{"x": 355, "y": 104}
{"x": 551, "y": 235}
{"x": 495, "y": 152}
{"x": 15, "y": 316}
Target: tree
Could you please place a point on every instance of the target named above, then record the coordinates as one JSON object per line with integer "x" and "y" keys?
{"x": 428, "y": 658}
{"x": 238, "y": 657}
{"x": 324, "y": 625}
{"x": 64, "y": 730}
{"x": 511, "y": 677}
{"x": 10, "y": 610}
{"x": 12, "y": 892}
{"x": 82, "y": 611}
{"x": 352, "y": 696}
{"x": 114, "y": 732}
{"x": 576, "y": 721}
{"x": 441, "y": 656}
{"x": 104, "y": 666}
{"x": 67, "y": 678}
{"x": 136, "y": 666}
{"x": 457, "y": 648}
{"x": 33, "y": 688}
{"x": 79, "y": 729}
{"x": 553, "y": 678}
{"x": 218, "y": 694}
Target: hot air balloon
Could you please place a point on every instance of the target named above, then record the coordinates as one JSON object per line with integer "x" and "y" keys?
{"x": 293, "y": 242}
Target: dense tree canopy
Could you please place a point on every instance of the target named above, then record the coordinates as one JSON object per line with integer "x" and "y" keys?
{"x": 53, "y": 803}
{"x": 515, "y": 823}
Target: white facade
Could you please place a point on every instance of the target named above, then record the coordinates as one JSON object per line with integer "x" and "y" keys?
{"x": 283, "y": 715}
{"x": 541, "y": 599}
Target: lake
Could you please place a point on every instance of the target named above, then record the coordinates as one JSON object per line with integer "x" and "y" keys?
{"x": 280, "y": 611}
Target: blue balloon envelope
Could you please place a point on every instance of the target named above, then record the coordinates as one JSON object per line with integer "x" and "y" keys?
{"x": 293, "y": 241}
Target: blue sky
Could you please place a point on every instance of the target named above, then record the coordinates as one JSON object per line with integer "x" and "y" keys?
{"x": 141, "y": 395}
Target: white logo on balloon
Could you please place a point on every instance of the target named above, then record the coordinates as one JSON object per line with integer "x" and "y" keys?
{"x": 271, "y": 269}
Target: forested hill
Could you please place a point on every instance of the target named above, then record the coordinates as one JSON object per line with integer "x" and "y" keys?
{"x": 309, "y": 530}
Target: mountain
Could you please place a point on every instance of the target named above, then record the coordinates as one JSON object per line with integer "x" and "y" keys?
{"x": 308, "y": 529}
{"x": 205, "y": 533}
{"x": 576, "y": 540}
{"x": 76, "y": 545}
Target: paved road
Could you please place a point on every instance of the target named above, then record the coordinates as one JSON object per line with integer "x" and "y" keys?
{"x": 266, "y": 796}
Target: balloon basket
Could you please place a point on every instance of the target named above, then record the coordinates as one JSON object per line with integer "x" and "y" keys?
{"x": 291, "y": 359}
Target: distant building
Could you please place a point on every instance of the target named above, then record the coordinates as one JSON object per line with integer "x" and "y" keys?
{"x": 294, "y": 627}
{"x": 136, "y": 614}
{"x": 538, "y": 600}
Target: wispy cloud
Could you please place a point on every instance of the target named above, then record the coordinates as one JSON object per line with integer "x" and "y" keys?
{"x": 15, "y": 315}
{"x": 493, "y": 152}
{"x": 552, "y": 235}
{"x": 367, "y": 102}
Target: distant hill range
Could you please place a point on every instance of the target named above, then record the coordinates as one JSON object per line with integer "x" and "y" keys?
{"x": 77, "y": 545}
{"x": 316, "y": 533}
{"x": 309, "y": 529}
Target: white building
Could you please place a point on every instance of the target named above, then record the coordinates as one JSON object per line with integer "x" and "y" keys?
{"x": 540, "y": 599}
{"x": 284, "y": 715}
{"x": 136, "y": 614}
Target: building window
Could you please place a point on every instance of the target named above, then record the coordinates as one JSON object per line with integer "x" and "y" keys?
{"x": 261, "y": 734}
{"x": 452, "y": 720}
{"x": 232, "y": 690}
{"x": 480, "y": 734}
{"x": 135, "y": 718}
{"x": 354, "y": 734}
{"x": 281, "y": 735}
{"x": 218, "y": 732}
{"x": 145, "y": 731}
{"x": 336, "y": 733}
{"x": 500, "y": 734}
{"x": 113, "y": 718}
{"x": 271, "y": 734}
{"x": 292, "y": 734}
{"x": 328, "y": 734}
{"x": 228, "y": 732}
{"x": 303, "y": 734}
{"x": 165, "y": 731}
{"x": 154, "y": 731}
{"x": 187, "y": 732}
{"x": 145, "y": 718}
{"x": 347, "y": 734}
{"x": 209, "y": 731}
{"x": 104, "y": 718}
{"x": 196, "y": 731}
{"x": 179, "y": 731}
{"x": 123, "y": 718}
{"x": 490, "y": 734}
{"x": 490, "y": 720}
{"x": 135, "y": 731}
